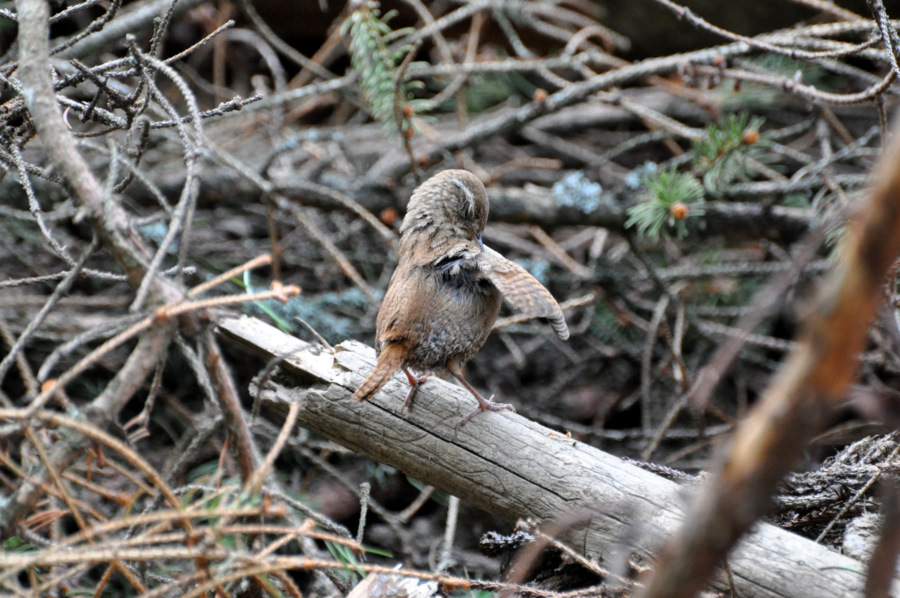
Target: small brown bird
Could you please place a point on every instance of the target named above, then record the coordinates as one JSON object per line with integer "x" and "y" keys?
{"x": 444, "y": 295}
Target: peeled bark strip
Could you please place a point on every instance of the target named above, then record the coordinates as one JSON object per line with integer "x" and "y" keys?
{"x": 515, "y": 468}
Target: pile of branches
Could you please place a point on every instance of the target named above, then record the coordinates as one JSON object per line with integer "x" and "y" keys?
{"x": 682, "y": 209}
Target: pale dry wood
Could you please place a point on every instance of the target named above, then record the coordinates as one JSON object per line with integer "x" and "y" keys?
{"x": 515, "y": 468}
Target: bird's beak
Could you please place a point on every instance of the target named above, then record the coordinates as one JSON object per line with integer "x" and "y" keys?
{"x": 480, "y": 242}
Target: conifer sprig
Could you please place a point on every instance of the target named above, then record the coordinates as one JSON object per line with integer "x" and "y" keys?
{"x": 378, "y": 65}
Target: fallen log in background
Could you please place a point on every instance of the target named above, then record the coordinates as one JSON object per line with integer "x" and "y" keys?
{"x": 515, "y": 468}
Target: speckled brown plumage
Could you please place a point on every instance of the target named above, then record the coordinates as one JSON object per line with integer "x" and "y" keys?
{"x": 444, "y": 296}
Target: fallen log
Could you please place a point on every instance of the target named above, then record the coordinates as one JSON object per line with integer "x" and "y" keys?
{"x": 516, "y": 468}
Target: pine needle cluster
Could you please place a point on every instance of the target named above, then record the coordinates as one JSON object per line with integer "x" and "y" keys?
{"x": 730, "y": 150}
{"x": 670, "y": 198}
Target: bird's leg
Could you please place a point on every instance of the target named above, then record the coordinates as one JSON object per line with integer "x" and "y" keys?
{"x": 483, "y": 404}
{"x": 414, "y": 382}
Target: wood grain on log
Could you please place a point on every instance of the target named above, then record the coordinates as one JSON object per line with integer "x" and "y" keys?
{"x": 515, "y": 468}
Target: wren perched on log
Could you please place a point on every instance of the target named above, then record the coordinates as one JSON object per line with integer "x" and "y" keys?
{"x": 444, "y": 296}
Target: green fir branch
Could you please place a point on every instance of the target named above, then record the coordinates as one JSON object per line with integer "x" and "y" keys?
{"x": 378, "y": 66}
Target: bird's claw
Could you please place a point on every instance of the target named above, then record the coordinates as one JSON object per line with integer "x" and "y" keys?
{"x": 486, "y": 405}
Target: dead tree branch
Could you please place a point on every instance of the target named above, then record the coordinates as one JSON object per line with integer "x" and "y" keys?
{"x": 515, "y": 468}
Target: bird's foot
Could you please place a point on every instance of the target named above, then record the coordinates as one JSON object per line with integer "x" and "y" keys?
{"x": 414, "y": 382}
{"x": 485, "y": 405}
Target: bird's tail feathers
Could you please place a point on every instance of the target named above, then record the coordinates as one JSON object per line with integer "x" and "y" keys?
{"x": 389, "y": 361}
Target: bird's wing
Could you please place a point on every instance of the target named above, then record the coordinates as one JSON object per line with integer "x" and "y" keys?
{"x": 522, "y": 290}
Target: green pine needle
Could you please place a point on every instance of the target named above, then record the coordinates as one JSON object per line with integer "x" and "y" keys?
{"x": 670, "y": 199}
{"x": 727, "y": 150}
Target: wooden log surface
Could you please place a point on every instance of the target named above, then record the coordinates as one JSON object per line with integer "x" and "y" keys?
{"x": 515, "y": 468}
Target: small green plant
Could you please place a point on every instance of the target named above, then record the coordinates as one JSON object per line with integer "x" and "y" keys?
{"x": 345, "y": 555}
{"x": 16, "y": 544}
{"x": 379, "y": 66}
{"x": 671, "y": 198}
{"x": 730, "y": 150}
